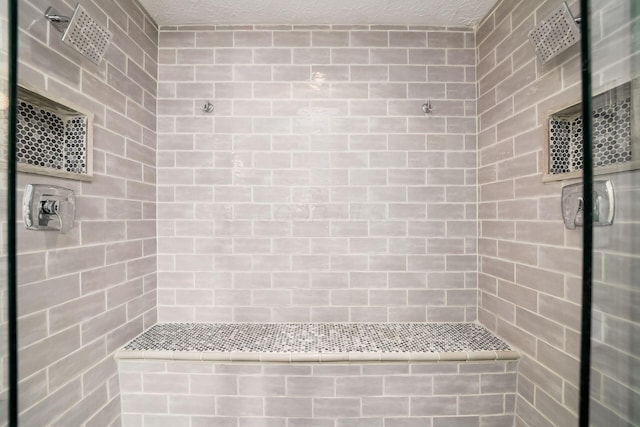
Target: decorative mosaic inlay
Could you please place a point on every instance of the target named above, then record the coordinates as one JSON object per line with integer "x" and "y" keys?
{"x": 74, "y": 148}
{"x": 50, "y": 140}
{"x": 611, "y": 138}
{"x": 318, "y": 338}
{"x": 560, "y": 132}
{"x": 39, "y": 133}
{"x": 612, "y": 134}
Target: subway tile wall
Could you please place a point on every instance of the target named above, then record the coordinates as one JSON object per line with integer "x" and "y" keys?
{"x": 83, "y": 294}
{"x": 615, "y": 325}
{"x": 529, "y": 264}
{"x": 317, "y": 190}
{"x": 325, "y": 395}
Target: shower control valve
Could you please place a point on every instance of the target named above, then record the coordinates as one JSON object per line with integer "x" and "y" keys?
{"x": 573, "y": 204}
{"x": 48, "y": 208}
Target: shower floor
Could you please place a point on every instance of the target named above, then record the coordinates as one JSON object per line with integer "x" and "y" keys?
{"x": 382, "y": 339}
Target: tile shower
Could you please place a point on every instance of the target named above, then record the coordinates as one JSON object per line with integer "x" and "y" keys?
{"x": 316, "y": 191}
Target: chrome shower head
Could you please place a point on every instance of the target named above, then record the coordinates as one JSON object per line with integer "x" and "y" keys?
{"x": 555, "y": 34}
{"x": 81, "y": 32}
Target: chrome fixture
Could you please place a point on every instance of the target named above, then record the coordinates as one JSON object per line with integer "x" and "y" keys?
{"x": 555, "y": 34}
{"x": 207, "y": 107}
{"x": 427, "y": 108}
{"x": 81, "y": 32}
{"x": 48, "y": 208}
{"x": 573, "y": 204}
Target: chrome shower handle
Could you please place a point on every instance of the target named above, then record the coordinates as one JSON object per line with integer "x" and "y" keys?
{"x": 574, "y": 215}
{"x": 59, "y": 209}
{"x": 573, "y": 207}
{"x": 48, "y": 207}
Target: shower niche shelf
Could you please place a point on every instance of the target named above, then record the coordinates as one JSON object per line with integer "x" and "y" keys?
{"x": 616, "y": 135}
{"x": 53, "y": 138}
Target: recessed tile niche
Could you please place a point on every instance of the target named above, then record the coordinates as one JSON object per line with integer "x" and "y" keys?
{"x": 616, "y": 135}
{"x": 52, "y": 138}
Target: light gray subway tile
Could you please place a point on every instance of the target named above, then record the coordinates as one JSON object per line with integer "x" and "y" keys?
{"x": 388, "y": 90}
{"x": 239, "y": 406}
{"x": 310, "y": 386}
{"x": 204, "y": 384}
{"x": 407, "y": 39}
{"x": 288, "y": 407}
{"x": 329, "y": 38}
{"x": 369, "y": 38}
{"x": 433, "y": 406}
{"x": 176, "y": 39}
{"x": 456, "y": 385}
{"x": 349, "y": 56}
{"x": 427, "y": 56}
{"x": 192, "y": 405}
{"x": 311, "y": 56}
{"x": 339, "y": 407}
{"x": 445, "y": 39}
{"x": 310, "y": 422}
{"x": 259, "y": 421}
{"x": 145, "y": 404}
{"x": 482, "y": 405}
{"x": 385, "y": 406}
{"x": 252, "y": 38}
{"x": 329, "y": 314}
{"x": 388, "y": 56}
{"x": 359, "y": 386}
{"x": 261, "y": 385}
{"x": 408, "y": 422}
{"x": 292, "y": 38}
{"x": 213, "y": 39}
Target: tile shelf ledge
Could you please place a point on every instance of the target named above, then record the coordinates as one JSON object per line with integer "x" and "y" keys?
{"x": 299, "y": 343}
{"x": 203, "y": 356}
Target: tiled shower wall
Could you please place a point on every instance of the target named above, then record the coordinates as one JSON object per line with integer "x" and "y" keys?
{"x": 530, "y": 265}
{"x": 83, "y": 294}
{"x": 198, "y": 394}
{"x": 616, "y": 317}
{"x": 317, "y": 190}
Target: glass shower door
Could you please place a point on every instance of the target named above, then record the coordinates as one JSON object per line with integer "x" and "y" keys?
{"x": 8, "y": 336}
{"x": 4, "y": 138}
{"x": 615, "y": 327}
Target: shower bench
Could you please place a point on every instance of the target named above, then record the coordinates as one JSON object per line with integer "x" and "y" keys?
{"x": 317, "y": 374}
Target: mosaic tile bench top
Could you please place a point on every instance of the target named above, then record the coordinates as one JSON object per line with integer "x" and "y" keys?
{"x": 289, "y": 342}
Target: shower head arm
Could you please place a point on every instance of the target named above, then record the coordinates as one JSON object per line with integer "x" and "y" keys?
{"x": 59, "y": 22}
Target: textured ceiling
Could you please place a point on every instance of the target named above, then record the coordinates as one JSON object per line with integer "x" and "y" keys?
{"x": 392, "y": 12}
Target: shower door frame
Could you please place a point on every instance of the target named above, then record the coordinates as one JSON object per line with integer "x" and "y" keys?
{"x": 12, "y": 274}
{"x": 587, "y": 230}
{"x": 600, "y": 401}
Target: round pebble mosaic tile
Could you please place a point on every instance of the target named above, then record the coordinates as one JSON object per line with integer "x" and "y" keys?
{"x": 318, "y": 338}
{"x": 38, "y": 137}
{"x": 48, "y": 140}
{"x": 612, "y": 142}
